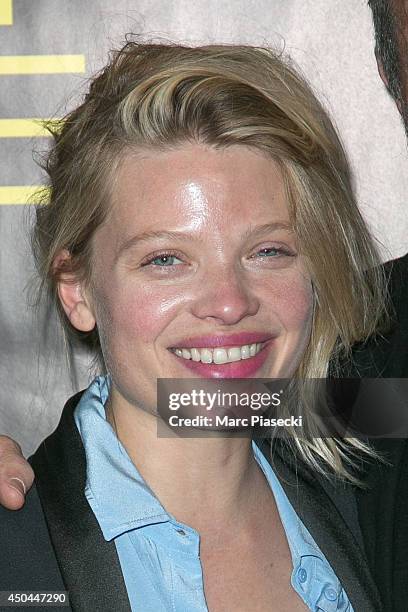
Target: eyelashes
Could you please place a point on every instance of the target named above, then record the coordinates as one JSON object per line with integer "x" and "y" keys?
{"x": 175, "y": 261}
{"x": 164, "y": 259}
{"x": 268, "y": 252}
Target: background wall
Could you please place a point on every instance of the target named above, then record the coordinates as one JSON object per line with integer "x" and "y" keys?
{"x": 332, "y": 42}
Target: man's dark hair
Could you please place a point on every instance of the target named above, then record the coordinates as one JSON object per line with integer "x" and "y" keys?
{"x": 386, "y": 43}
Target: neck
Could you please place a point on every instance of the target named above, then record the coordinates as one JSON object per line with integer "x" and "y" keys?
{"x": 200, "y": 481}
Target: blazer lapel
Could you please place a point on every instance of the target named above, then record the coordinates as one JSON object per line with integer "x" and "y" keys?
{"x": 329, "y": 513}
{"x": 89, "y": 565}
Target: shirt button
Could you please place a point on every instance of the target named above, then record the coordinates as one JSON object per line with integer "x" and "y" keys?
{"x": 330, "y": 594}
{"x": 181, "y": 532}
{"x": 302, "y": 575}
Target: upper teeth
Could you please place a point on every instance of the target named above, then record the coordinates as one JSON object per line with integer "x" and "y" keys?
{"x": 219, "y": 355}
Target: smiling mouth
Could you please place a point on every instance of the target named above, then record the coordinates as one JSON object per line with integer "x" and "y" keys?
{"x": 219, "y": 355}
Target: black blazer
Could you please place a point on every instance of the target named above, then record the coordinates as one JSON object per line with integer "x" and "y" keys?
{"x": 382, "y": 507}
{"x": 55, "y": 543}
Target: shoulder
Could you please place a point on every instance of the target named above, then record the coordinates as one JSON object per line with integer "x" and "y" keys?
{"x": 386, "y": 479}
{"x": 397, "y": 267}
{"x": 27, "y": 560}
{"x": 386, "y": 355}
{"x": 397, "y": 273}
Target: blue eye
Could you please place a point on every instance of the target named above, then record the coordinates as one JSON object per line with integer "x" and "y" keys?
{"x": 165, "y": 260}
{"x": 270, "y": 251}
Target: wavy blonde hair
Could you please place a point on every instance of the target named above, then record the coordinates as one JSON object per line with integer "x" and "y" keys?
{"x": 158, "y": 96}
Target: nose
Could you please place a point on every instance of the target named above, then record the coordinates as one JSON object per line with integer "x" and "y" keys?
{"x": 226, "y": 299}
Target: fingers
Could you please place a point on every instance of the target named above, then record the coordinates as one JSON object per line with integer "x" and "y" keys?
{"x": 16, "y": 474}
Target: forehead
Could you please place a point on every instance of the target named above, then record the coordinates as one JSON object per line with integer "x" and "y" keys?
{"x": 196, "y": 184}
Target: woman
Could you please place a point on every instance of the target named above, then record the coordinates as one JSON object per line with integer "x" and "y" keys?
{"x": 201, "y": 224}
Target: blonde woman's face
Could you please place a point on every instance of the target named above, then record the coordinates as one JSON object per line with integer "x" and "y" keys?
{"x": 197, "y": 262}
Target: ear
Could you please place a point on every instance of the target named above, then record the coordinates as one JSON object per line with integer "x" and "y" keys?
{"x": 384, "y": 79}
{"x": 72, "y": 296}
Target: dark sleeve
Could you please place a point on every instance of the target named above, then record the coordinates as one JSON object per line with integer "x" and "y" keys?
{"x": 27, "y": 559}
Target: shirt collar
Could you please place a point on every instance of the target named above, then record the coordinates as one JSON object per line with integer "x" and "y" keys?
{"x": 299, "y": 539}
{"x": 127, "y": 502}
{"x": 302, "y": 546}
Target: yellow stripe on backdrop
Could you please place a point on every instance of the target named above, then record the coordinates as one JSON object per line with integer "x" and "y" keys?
{"x": 20, "y": 194}
{"x": 6, "y": 12}
{"x": 41, "y": 64}
{"x": 24, "y": 128}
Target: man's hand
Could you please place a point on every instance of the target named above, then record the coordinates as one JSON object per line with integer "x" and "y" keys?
{"x": 16, "y": 474}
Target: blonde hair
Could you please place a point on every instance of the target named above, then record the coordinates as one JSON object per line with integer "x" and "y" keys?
{"x": 159, "y": 96}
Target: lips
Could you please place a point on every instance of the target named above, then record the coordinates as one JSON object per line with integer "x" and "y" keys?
{"x": 224, "y": 340}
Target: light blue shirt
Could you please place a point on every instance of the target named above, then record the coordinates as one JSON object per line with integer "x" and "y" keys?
{"x": 158, "y": 555}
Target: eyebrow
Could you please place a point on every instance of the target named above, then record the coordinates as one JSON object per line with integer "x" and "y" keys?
{"x": 170, "y": 235}
{"x": 145, "y": 237}
{"x": 269, "y": 227}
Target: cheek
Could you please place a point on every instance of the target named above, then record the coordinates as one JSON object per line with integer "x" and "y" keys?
{"x": 292, "y": 301}
{"x": 134, "y": 312}
{"x": 292, "y": 297}
{"x": 300, "y": 308}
